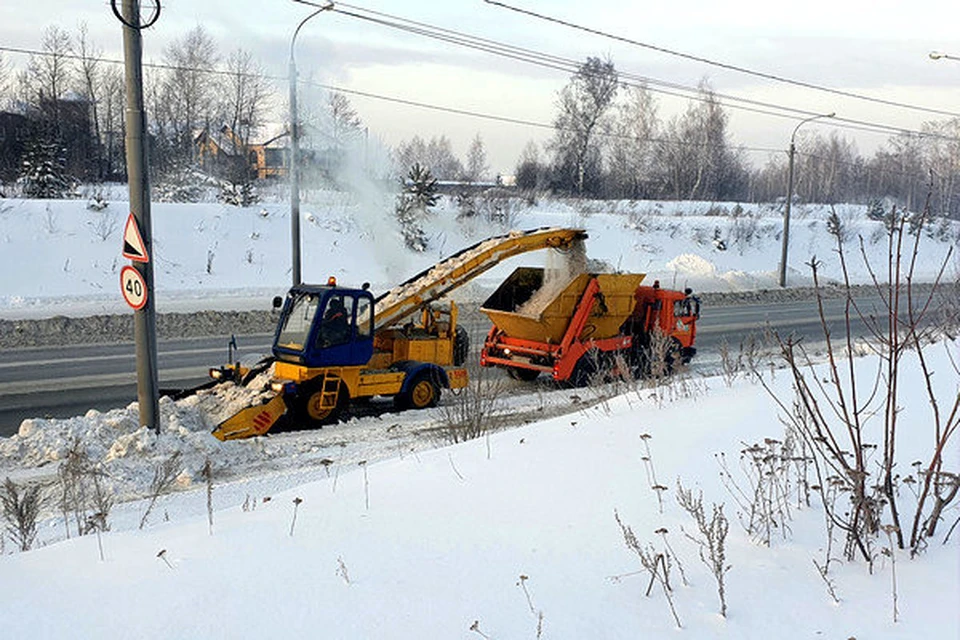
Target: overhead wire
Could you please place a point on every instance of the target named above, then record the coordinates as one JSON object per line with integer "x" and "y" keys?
{"x": 533, "y": 57}
{"x": 723, "y": 65}
{"x": 519, "y": 121}
{"x": 572, "y": 66}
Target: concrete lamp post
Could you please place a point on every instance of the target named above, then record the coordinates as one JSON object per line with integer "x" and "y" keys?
{"x": 295, "y": 146}
{"x": 786, "y": 210}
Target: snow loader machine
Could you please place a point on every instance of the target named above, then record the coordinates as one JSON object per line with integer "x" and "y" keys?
{"x": 581, "y": 327}
{"x": 334, "y": 345}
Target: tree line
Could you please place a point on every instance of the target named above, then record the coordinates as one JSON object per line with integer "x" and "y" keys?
{"x": 610, "y": 142}
{"x": 609, "y": 139}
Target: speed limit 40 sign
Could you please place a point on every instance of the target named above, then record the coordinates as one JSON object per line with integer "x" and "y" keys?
{"x": 133, "y": 287}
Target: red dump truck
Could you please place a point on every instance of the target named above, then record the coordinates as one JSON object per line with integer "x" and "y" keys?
{"x": 575, "y": 328}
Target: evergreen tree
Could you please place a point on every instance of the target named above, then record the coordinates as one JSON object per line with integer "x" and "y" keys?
{"x": 42, "y": 172}
{"x": 418, "y": 195}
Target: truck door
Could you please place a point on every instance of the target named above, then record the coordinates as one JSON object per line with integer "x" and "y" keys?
{"x": 344, "y": 335}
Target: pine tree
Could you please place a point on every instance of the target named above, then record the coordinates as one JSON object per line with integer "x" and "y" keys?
{"x": 418, "y": 195}
{"x": 42, "y": 172}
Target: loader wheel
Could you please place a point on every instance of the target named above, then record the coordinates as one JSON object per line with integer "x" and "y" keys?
{"x": 308, "y": 410}
{"x": 422, "y": 394}
{"x": 461, "y": 346}
{"x": 527, "y": 375}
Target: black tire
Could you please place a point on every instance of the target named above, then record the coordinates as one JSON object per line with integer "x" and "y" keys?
{"x": 422, "y": 393}
{"x": 585, "y": 371}
{"x": 527, "y": 375}
{"x": 307, "y": 402}
{"x": 461, "y": 346}
{"x": 673, "y": 358}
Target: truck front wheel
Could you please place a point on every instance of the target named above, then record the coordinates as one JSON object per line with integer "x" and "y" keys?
{"x": 310, "y": 410}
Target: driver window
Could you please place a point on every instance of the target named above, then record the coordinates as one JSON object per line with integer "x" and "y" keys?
{"x": 337, "y": 321}
{"x": 364, "y": 318}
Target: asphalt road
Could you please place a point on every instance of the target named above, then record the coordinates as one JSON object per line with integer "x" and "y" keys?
{"x": 66, "y": 381}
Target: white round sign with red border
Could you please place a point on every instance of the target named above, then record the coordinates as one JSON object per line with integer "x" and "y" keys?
{"x": 133, "y": 287}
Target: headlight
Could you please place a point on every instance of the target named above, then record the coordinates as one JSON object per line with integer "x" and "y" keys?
{"x": 216, "y": 374}
{"x": 277, "y": 386}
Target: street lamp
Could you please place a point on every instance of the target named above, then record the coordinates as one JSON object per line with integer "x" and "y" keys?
{"x": 786, "y": 211}
{"x": 295, "y": 145}
{"x": 936, "y": 55}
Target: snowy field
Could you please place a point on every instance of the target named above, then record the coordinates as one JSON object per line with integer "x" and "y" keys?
{"x": 430, "y": 544}
{"x": 213, "y": 256}
{"x": 400, "y": 535}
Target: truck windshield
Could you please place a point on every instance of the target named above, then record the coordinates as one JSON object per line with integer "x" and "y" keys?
{"x": 296, "y": 325}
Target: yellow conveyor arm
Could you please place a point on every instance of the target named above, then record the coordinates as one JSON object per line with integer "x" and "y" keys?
{"x": 442, "y": 278}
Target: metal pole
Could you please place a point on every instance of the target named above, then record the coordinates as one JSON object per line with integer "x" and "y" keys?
{"x": 786, "y": 209}
{"x": 786, "y": 219}
{"x": 295, "y": 148}
{"x": 294, "y": 172}
{"x": 144, "y": 320}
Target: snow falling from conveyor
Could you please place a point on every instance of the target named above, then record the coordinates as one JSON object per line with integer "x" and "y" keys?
{"x": 561, "y": 269}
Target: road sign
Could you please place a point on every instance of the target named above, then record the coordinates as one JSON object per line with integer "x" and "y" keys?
{"x": 133, "y": 246}
{"x": 133, "y": 287}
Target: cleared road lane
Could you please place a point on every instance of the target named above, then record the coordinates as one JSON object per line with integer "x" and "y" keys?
{"x": 66, "y": 381}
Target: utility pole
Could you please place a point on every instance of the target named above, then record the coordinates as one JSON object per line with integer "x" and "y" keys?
{"x": 786, "y": 210}
{"x": 295, "y": 146}
{"x": 145, "y": 322}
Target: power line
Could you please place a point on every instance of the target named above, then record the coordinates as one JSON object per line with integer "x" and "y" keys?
{"x": 521, "y": 54}
{"x": 571, "y": 66}
{"x": 528, "y": 123}
{"x": 723, "y": 65}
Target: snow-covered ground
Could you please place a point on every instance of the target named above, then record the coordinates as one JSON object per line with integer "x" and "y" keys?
{"x": 399, "y": 536}
{"x": 213, "y": 256}
{"x": 513, "y": 536}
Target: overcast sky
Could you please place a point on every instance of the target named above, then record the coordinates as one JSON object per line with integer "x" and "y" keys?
{"x": 878, "y": 48}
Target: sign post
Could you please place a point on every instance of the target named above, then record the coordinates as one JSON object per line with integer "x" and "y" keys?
{"x": 136, "y": 280}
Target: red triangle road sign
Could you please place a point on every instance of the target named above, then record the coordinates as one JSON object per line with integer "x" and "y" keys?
{"x": 133, "y": 246}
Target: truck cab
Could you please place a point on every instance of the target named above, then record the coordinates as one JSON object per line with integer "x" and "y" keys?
{"x": 325, "y": 326}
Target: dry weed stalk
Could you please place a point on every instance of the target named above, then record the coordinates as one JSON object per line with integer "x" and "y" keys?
{"x": 712, "y": 539}
{"x": 296, "y": 505}
{"x": 21, "y": 508}
{"x": 164, "y": 475}
{"x": 207, "y": 473}
{"x": 472, "y": 413}
{"x": 655, "y": 564}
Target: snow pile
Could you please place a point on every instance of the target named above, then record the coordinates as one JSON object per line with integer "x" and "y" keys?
{"x": 126, "y": 451}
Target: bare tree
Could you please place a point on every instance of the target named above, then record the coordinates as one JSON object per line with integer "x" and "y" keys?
{"x": 52, "y": 72}
{"x": 582, "y": 103}
{"x": 187, "y": 96}
{"x": 698, "y": 161}
{"x": 436, "y": 156}
{"x": 90, "y": 84}
{"x": 5, "y": 77}
{"x": 530, "y": 171}
{"x": 476, "y": 160}
{"x": 344, "y": 121}
{"x": 631, "y": 150}
{"x": 112, "y": 124}
{"x": 246, "y": 98}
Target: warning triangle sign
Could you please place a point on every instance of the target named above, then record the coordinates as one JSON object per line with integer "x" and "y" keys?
{"x": 133, "y": 247}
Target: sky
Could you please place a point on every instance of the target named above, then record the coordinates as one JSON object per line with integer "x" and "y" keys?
{"x": 878, "y": 49}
